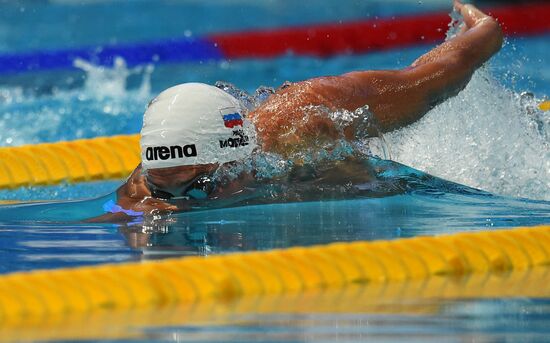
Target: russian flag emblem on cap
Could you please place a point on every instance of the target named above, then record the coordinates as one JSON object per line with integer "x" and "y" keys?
{"x": 231, "y": 120}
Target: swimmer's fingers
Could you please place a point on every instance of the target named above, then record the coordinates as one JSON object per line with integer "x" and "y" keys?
{"x": 457, "y": 4}
{"x": 154, "y": 206}
{"x": 463, "y": 28}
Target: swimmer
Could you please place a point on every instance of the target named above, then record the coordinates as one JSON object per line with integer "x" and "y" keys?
{"x": 191, "y": 130}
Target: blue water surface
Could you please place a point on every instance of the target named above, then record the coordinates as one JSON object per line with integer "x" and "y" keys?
{"x": 69, "y": 104}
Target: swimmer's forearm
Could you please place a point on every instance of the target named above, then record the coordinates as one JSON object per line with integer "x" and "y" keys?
{"x": 446, "y": 70}
{"x": 399, "y": 98}
{"x": 396, "y": 97}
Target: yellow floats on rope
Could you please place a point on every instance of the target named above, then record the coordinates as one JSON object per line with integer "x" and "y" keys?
{"x": 74, "y": 161}
{"x": 28, "y": 296}
{"x": 426, "y": 297}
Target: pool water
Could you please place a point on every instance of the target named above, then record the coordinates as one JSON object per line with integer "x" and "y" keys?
{"x": 487, "y": 149}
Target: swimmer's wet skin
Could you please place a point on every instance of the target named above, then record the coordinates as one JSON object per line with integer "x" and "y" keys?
{"x": 191, "y": 130}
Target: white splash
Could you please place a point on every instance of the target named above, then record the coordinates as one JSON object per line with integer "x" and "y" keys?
{"x": 105, "y": 105}
{"x": 486, "y": 137}
{"x": 102, "y": 81}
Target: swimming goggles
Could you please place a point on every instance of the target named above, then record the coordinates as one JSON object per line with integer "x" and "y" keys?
{"x": 198, "y": 188}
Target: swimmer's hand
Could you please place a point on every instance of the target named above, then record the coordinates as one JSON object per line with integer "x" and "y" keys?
{"x": 400, "y": 98}
{"x": 480, "y": 38}
{"x": 134, "y": 198}
{"x": 147, "y": 206}
{"x": 474, "y": 17}
{"x": 457, "y": 4}
{"x": 134, "y": 195}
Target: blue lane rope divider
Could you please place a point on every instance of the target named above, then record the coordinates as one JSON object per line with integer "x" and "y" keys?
{"x": 175, "y": 50}
{"x": 320, "y": 40}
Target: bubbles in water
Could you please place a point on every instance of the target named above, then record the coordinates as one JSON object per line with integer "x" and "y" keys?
{"x": 455, "y": 25}
{"x": 102, "y": 82}
{"x": 539, "y": 120}
{"x": 266, "y": 165}
{"x": 249, "y": 102}
{"x": 486, "y": 137}
{"x": 104, "y": 106}
{"x": 11, "y": 95}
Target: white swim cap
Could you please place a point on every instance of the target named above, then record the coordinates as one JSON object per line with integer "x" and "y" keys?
{"x": 195, "y": 123}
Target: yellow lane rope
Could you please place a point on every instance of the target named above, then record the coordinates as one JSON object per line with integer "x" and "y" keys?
{"x": 80, "y": 160}
{"x": 33, "y": 295}
{"x": 409, "y": 297}
{"x": 98, "y": 158}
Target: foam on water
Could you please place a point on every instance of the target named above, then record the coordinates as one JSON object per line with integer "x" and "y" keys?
{"x": 103, "y": 106}
{"x": 102, "y": 82}
{"x": 487, "y": 137}
{"x": 268, "y": 165}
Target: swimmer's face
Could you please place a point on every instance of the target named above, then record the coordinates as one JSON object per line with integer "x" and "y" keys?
{"x": 175, "y": 182}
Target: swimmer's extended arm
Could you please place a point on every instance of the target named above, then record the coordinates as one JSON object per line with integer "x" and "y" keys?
{"x": 398, "y": 98}
{"x": 289, "y": 120}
